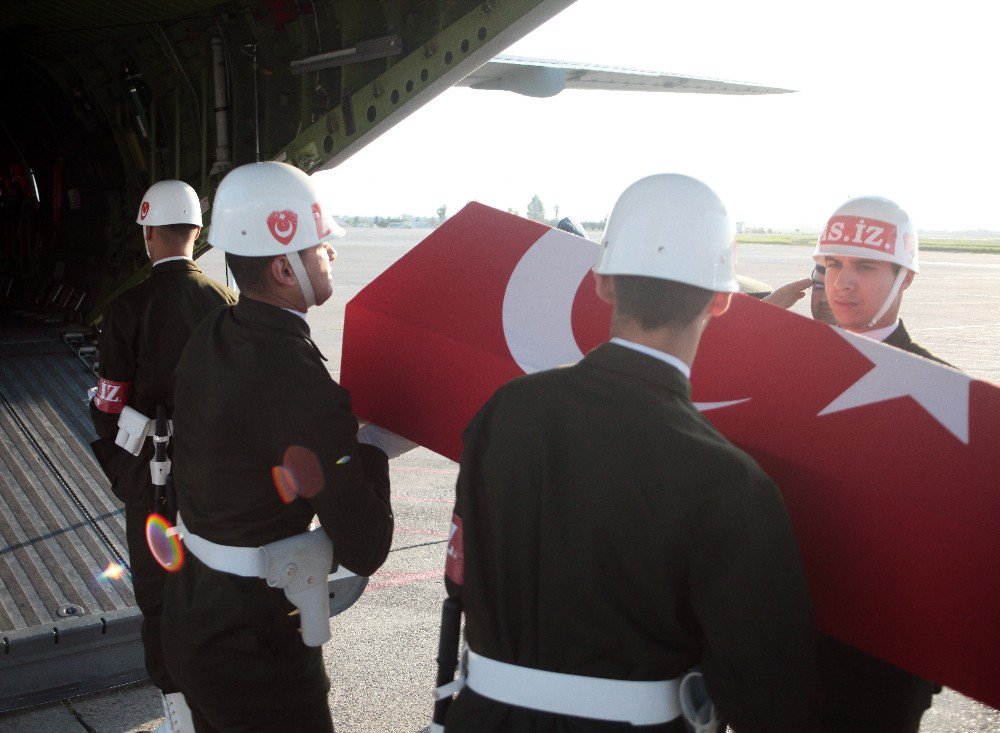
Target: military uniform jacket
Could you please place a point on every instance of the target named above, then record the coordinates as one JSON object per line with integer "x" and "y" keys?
{"x": 610, "y": 531}
{"x": 254, "y": 394}
{"x": 257, "y": 418}
{"x": 142, "y": 335}
{"x": 900, "y": 338}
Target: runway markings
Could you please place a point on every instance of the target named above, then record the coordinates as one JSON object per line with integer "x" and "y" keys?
{"x": 423, "y": 532}
{"x": 384, "y": 579}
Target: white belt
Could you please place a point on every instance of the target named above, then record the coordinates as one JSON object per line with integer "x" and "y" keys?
{"x": 248, "y": 562}
{"x": 299, "y": 565}
{"x": 623, "y": 701}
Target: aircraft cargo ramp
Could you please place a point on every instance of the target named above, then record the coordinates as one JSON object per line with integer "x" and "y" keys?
{"x": 66, "y": 630}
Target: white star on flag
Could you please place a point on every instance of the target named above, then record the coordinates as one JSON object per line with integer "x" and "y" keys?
{"x": 942, "y": 392}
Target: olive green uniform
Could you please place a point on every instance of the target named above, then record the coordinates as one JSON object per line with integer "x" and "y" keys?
{"x": 610, "y": 531}
{"x": 251, "y": 385}
{"x": 142, "y": 335}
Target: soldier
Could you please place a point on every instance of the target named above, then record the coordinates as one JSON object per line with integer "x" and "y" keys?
{"x": 142, "y": 335}
{"x": 819, "y": 306}
{"x": 870, "y": 251}
{"x": 265, "y": 440}
{"x": 606, "y": 538}
{"x": 788, "y": 295}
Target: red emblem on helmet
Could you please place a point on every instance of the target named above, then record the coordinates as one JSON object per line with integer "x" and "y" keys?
{"x": 322, "y": 230}
{"x": 282, "y": 225}
{"x": 144, "y": 209}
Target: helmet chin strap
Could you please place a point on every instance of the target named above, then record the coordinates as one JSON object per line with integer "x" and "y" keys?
{"x": 303, "y": 277}
{"x": 893, "y": 292}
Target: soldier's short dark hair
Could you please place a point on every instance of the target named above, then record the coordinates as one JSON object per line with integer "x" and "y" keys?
{"x": 249, "y": 272}
{"x": 656, "y": 303}
{"x": 176, "y": 235}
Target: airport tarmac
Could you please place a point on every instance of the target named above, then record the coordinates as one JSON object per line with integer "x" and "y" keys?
{"x": 381, "y": 657}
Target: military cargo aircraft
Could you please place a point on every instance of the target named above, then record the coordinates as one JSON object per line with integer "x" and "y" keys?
{"x": 99, "y": 101}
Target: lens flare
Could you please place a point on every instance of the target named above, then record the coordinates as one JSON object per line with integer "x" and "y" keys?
{"x": 161, "y": 536}
{"x": 284, "y": 482}
{"x": 113, "y": 571}
{"x": 300, "y": 474}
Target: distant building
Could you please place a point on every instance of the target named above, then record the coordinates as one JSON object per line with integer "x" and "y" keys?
{"x": 739, "y": 227}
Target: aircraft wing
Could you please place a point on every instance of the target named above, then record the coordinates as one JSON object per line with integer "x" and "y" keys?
{"x": 543, "y": 78}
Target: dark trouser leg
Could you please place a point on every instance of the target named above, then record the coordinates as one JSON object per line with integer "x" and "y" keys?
{"x": 239, "y": 656}
{"x": 147, "y": 582}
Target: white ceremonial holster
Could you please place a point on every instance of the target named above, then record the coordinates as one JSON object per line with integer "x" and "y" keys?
{"x": 299, "y": 565}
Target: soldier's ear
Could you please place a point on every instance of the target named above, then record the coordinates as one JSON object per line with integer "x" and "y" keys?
{"x": 605, "y": 287}
{"x": 907, "y": 281}
{"x": 281, "y": 272}
{"x": 719, "y": 304}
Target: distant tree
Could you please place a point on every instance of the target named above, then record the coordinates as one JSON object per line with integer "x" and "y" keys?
{"x": 536, "y": 209}
{"x": 442, "y": 213}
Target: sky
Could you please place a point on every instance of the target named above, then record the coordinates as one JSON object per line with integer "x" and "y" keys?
{"x": 897, "y": 99}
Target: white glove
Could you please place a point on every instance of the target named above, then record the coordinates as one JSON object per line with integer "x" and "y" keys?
{"x": 389, "y": 443}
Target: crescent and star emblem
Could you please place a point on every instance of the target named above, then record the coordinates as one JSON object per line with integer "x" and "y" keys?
{"x": 282, "y": 225}
{"x": 144, "y": 209}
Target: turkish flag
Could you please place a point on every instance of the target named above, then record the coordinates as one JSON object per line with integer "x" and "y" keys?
{"x": 426, "y": 343}
{"x": 888, "y": 462}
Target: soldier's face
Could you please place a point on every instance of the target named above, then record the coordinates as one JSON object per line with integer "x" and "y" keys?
{"x": 856, "y": 288}
{"x": 319, "y": 266}
{"x": 819, "y": 305}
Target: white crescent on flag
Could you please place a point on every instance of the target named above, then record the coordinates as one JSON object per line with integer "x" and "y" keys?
{"x": 538, "y": 301}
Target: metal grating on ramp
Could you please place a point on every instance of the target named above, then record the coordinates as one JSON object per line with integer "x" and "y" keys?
{"x": 60, "y": 527}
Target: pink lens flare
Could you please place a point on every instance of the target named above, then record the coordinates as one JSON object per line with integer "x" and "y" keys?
{"x": 161, "y": 536}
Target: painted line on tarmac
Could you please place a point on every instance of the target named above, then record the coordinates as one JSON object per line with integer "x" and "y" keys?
{"x": 383, "y": 580}
{"x": 423, "y": 532}
{"x": 972, "y": 265}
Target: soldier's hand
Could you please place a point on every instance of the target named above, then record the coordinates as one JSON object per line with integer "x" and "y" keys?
{"x": 788, "y": 295}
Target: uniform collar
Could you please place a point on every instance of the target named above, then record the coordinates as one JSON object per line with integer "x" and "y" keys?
{"x": 637, "y": 365}
{"x": 899, "y": 337}
{"x": 271, "y": 316}
{"x": 175, "y": 264}
{"x": 173, "y": 259}
{"x": 881, "y": 334}
{"x": 656, "y": 354}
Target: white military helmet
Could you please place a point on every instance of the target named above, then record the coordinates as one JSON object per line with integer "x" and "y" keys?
{"x": 871, "y": 228}
{"x": 670, "y": 227}
{"x": 269, "y": 209}
{"x": 169, "y": 202}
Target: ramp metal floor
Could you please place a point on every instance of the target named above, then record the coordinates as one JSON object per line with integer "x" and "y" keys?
{"x": 66, "y": 628}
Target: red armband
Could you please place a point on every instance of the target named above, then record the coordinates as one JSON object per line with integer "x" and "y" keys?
{"x": 111, "y": 396}
{"x": 454, "y": 565}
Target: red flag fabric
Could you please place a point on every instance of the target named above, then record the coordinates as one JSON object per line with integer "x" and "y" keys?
{"x": 889, "y": 463}
{"x": 425, "y": 343}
